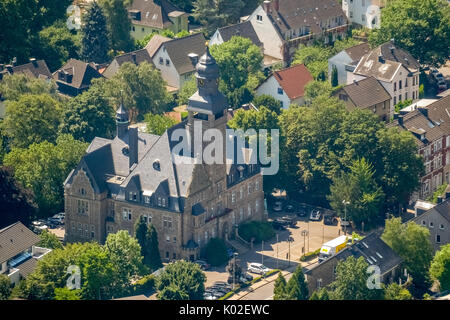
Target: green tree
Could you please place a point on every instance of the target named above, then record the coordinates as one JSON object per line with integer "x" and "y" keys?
{"x": 395, "y": 292}
{"x": 216, "y": 252}
{"x": 213, "y": 14}
{"x": 32, "y": 119}
{"x": 420, "y": 27}
{"x": 89, "y": 115}
{"x": 296, "y": 287}
{"x": 252, "y": 119}
{"x": 181, "y": 280}
{"x": 185, "y": 5}
{"x": 316, "y": 89}
{"x": 360, "y": 189}
{"x": 5, "y": 287}
{"x": 14, "y": 86}
{"x": 188, "y": 88}
{"x": 315, "y": 59}
{"x": 158, "y": 124}
{"x": 43, "y": 167}
{"x": 49, "y": 240}
{"x": 411, "y": 242}
{"x": 334, "y": 77}
{"x": 269, "y": 102}
{"x": 16, "y": 202}
{"x": 67, "y": 294}
{"x": 279, "y": 289}
{"x": 94, "y": 32}
{"x": 321, "y": 294}
{"x": 239, "y": 62}
{"x": 124, "y": 253}
{"x": 119, "y": 24}
{"x": 154, "y": 258}
{"x": 141, "y": 87}
{"x": 57, "y": 44}
{"x": 351, "y": 281}
{"x": 440, "y": 267}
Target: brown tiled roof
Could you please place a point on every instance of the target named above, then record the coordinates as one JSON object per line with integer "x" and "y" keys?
{"x": 27, "y": 267}
{"x": 38, "y": 69}
{"x": 140, "y": 56}
{"x": 155, "y": 42}
{"x": 366, "y": 92}
{"x": 293, "y": 80}
{"x": 82, "y": 73}
{"x": 244, "y": 29}
{"x": 294, "y": 14}
{"x": 358, "y": 51}
{"x": 178, "y": 50}
{"x": 154, "y": 13}
{"x": 439, "y": 112}
{"x": 14, "y": 239}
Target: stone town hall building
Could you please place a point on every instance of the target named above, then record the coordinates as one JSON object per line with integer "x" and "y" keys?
{"x": 135, "y": 174}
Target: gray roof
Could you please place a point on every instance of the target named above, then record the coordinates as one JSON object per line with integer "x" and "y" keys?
{"x": 82, "y": 74}
{"x": 358, "y": 51}
{"x": 244, "y": 29}
{"x": 36, "y": 69}
{"x": 366, "y": 92}
{"x": 14, "y": 239}
{"x": 155, "y": 43}
{"x": 443, "y": 209}
{"x": 136, "y": 57}
{"x": 154, "y": 13}
{"x": 179, "y": 49}
{"x": 439, "y": 112}
{"x": 27, "y": 267}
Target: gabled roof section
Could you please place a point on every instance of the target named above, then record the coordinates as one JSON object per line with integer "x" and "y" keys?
{"x": 357, "y": 52}
{"x": 366, "y": 92}
{"x": 34, "y": 69}
{"x": 155, "y": 43}
{"x": 153, "y": 13}
{"x": 80, "y": 74}
{"x": 178, "y": 50}
{"x": 293, "y": 80}
{"x": 439, "y": 112}
{"x": 14, "y": 239}
{"x": 136, "y": 57}
{"x": 244, "y": 29}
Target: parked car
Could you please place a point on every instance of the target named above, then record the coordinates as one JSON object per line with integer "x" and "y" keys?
{"x": 290, "y": 221}
{"x": 289, "y": 208}
{"x": 209, "y": 296}
{"x": 438, "y": 76}
{"x": 258, "y": 268}
{"x": 345, "y": 223}
{"x": 203, "y": 264}
{"x": 244, "y": 278}
{"x": 279, "y": 224}
{"x": 315, "y": 215}
{"x": 330, "y": 220}
{"x": 222, "y": 284}
{"x": 278, "y": 206}
{"x": 301, "y": 212}
{"x": 442, "y": 85}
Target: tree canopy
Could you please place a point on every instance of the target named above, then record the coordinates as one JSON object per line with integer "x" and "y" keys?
{"x": 158, "y": 124}
{"x": 49, "y": 240}
{"x": 94, "y": 41}
{"x": 440, "y": 267}
{"x": 119, "y": 24}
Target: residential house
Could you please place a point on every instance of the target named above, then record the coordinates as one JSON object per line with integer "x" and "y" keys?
{"x": 374, "y": 250}
{"x": 19, "y": 251}
{"x": 177, "y": 58}
{"x": 137, "y": 175}
{"x": 364, "y": 13}
{"x": 244, "y": 30}
{"x": 154, "y": 16}
{"x": 345, "y": 61}
{"x": 155, "y": 43}
{"x": 396, "y": 70}
{"x": 366, "y": 94}
{"x": 437, "y": 220}
{"x": 34, "y": 69}
{"x": 287, "y": 85}
{"x": 135, "y": 57}
{"x": 431, "y": 128}
{"x": 75, "y": 77}
{"x": 282, "y": 25}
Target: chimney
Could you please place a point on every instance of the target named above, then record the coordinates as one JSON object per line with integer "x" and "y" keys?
{"x": 400, "y": 119}
{"x": 34, "y": 62}
{"x": 392, "y": 48}
{"x": 440, "y": 199}
{"x": 380, "y": 58}
{"x": 194, "y": 58}
{"x": 276, "y": 5}
{"x": 447, "y": 194}
{"x": 266, "y": 6}
{"x": 133, "y": 146}
{"x": 133, "y": 57}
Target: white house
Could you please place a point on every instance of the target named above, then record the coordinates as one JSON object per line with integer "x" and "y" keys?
{"x": 176, "y": 59}
{"x": 366, "y": 13}
{"x": 346, "y": 61}
{"x": 396, "y": 70}
{"x": 287, "y": 85}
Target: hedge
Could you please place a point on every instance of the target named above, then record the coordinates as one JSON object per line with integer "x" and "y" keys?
{"x": 144, "y": 285}
{"x": 310, "y": 255}
{"x": 260, "y": 231}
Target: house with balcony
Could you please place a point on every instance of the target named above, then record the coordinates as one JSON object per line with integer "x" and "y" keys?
{"x": 282, "y": 25}
{"x": 155, "y": 16}
{"x": 19, "y": 252}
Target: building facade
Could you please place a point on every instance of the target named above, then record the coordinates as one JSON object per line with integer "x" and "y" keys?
{"x": 138, "y": 174}
{"x": 364, "y": 13}
{"x": 345, "y": 62}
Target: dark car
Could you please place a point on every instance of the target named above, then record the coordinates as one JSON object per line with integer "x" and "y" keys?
{"x": 289, "y": 220}
{"x": 289, "y": 208}
{"x": 279, "y": 224}
{"x": 301, "y": 212}
{"x": 330, "y": 220}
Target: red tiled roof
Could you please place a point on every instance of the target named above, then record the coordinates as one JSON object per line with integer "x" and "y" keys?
{"x": 293, "y": 80}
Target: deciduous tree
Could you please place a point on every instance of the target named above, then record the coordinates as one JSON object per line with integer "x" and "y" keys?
{"x": 440, "y": 267}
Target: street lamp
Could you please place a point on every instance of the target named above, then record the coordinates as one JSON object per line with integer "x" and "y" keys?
{"x": 234, "y": 269}
{"x": 345, "y": 202}
{"x": 289, "y": 254}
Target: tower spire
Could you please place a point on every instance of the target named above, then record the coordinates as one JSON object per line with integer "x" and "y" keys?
{"x": 122, "y": 119}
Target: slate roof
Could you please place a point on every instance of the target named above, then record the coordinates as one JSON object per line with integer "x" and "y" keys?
{"x": 370, "y": 65}
{"x": 155, "y": 13}
{"x": 294, "y": 14}
{"x": 439, "y": 112}
{"x": 27, "y": 267}
{"x": 444, "y": 209}
{"x": 293, "y": 80}
{"x": 155, "y": 43}
{"x": 36, "y": 69}
{"x": 357, "y": 52}
{"x": 178, "y": 50}
{"x": 14, "y": 239}
{"x": 82, "y": 74}
{"x": 244, "y": 29}
{"x": 366, "y": 92}
{"x": 136, "y": 57}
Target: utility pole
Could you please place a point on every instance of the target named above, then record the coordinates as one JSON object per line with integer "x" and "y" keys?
{"x": 345, "y": 202}
{"x": 277, "y": 250}
{"x": 308, "y": 236}
{"x": 262, "y": 249}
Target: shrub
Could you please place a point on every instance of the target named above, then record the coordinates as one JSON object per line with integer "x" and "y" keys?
{"x": 216, "y": 252}
{"x": 310, "y": 255}
{"x": 144, "y": 285}
{"x": 260, "y": 231}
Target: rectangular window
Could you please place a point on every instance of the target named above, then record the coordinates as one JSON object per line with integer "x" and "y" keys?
{"x": 167, "y": 62}
{"x": 280, "y": 91}
{"x": 259, "y": 18}
{"x": 257, "y": 185}
{"x": 233, "y": 197}
{"x": 395, "y": 101}
{"x": 399, "y": 84}
{"x": 161, "y": 60}
{"x": 167, "y": 222}
{"x": 406, "y": 95}
{"x": 241, "y": 191}
{"x": 168, "y": 238}
{"x": 438, "y": 238}
{"x": 395, "y": 86}
{"x": 406, "y": 82}
{"x": 126, "y": 214}
{"x": 83, "y": 207}
{"x": 399, "y": 97}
